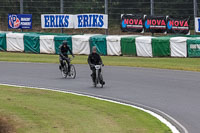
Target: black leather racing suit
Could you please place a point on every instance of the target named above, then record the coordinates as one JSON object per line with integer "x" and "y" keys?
{"x": 64, "y": 55}
{"x": 94, "y": 59}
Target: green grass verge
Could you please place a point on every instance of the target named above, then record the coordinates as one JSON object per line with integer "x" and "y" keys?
{"x": 40, "y": 111}
{"x": 189, "y": 64}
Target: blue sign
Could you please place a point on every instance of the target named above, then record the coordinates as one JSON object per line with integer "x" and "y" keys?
{"x": 20, "y": 21}
{"x": 197, "y": 24}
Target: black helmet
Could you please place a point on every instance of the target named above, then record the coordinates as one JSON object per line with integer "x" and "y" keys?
{"x": 65, "y": 43}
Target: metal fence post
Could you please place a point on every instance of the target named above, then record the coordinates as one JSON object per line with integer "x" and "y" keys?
{"x": 21, "y": 9}
{"x": 106, "y": 12}
{"x": 152, "y": 10}
{"x": 61, "y": 11}
{"x": 152, "y": 7}
{"x": 195, "y": 12}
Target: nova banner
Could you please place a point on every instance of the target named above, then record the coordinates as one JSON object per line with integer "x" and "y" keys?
{"x": 178, "y": 25}
{"x": 91, "y": 21}
{"x": 155, "y": 24}
{"x": 20, "y": 21}
{"x": 57, "y": 21}
{"x": 131, "y": 23}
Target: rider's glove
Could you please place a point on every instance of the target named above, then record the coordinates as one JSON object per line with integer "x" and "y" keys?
{"x": 66, "y": 58}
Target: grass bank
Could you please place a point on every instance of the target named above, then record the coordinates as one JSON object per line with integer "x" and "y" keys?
{"x": 39, "y": 111}
{"x": 189, "y": 64}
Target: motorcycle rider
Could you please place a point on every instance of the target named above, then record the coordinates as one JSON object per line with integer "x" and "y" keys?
{"x": 64, "y": 49}
{"x": 94, "y": 59}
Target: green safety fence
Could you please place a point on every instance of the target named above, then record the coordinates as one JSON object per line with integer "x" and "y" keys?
{"x": 2, "y": 41}
{"x": 193, "y": 47}
{"x": 161, "y": 46}
{"x": 32, "y": 43}
{"x": 100, "y": 42}
{"x": 128, "y": 46}
{"x": 59, "y": 40}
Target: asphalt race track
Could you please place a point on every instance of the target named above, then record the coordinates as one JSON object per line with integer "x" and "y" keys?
{"x": 176, "y": 93}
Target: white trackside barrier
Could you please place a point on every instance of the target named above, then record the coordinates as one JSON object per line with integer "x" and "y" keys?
{"x": 109, "y": 45}
{"x": 143, "y": 46}
{"x": 178, "y": 46}
{"x": 81, "y": 44}
{"x": 47, "y": 44}
{"x": 113, "y": 45}
{"x": 15, "y": 42}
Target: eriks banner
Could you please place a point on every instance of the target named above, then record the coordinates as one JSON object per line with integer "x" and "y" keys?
{"x": 57, "y": 21}
{"x": 91, "y": 21}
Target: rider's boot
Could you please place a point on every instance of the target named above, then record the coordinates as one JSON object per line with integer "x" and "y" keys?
{"x": 103, "y": 82}
{"x": 68, "y": 70}
{"x": 60, "y": 67}
{"x": 93, "y": 80}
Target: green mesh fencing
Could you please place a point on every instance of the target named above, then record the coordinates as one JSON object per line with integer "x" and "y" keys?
{"x": 31, "y": 43}
{"x": 128, "y": 46}
{"x": 2, "y": 41}
{"x": 59, "y": 40}
{"x": 100, "y": 42}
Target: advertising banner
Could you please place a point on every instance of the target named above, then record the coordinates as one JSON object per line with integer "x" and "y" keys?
{"x": 194, "y": 50}
{"x": 57, "y": 21}
{"x": 197, "y": 24}
{"x": 178, "y": 25}
{"x": 91, "y": 21}
{"x": 193, "y": 47}
{"x": 132, "y": 23}
{"x": 20, "y": 21}
{"x": 155, "y": 24}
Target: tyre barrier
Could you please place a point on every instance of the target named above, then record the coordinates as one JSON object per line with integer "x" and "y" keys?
{"x": 130, "y": 45}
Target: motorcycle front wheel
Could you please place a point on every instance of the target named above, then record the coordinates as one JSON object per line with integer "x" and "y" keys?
{"x": 64, "y": 71}
{"x": 72, "y": 72}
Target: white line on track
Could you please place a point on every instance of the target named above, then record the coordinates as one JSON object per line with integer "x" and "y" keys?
{"x": 159, "y": 117}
